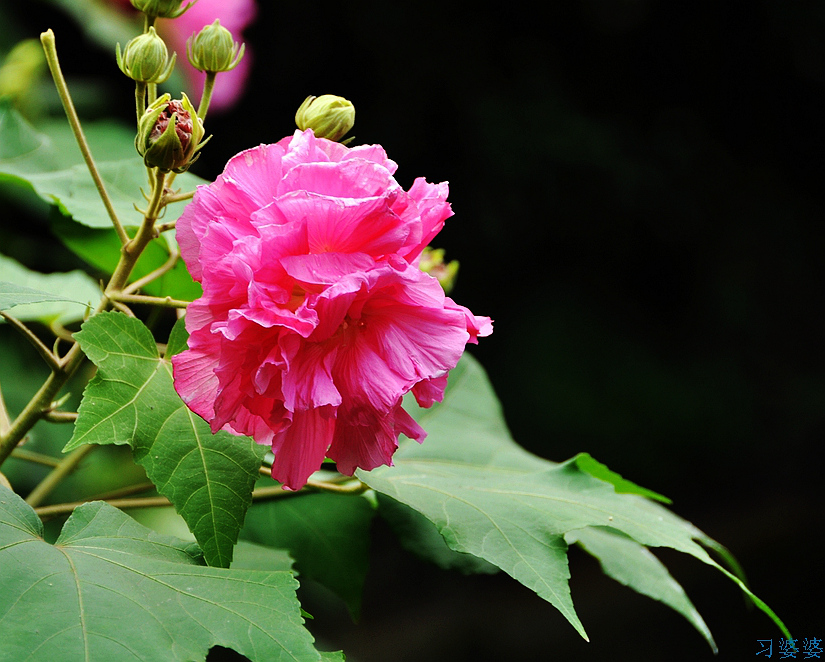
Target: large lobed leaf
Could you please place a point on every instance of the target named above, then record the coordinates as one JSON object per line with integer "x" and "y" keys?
{"x": 490, "y": 498}
{"x": 126, "y": 593}
{"x": 131, "y": 400}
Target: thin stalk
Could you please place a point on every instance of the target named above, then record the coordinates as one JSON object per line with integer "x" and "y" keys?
{"x": 206, "y": 97}
{"x": 48, "y": 41}
{"x": 45, "y": 512}
{"x": 157, "y": 273}
{"x": 140, "y": 99}
{"x": 37, "y": 458}
{"x": 5, "y": 420}
{"x": 60, "y": 416}
{"x": 166, "y": 302}
{"x": 45, "y": 353}
{"x": 53, "y": 479}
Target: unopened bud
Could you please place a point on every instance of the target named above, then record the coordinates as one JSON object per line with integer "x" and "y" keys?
{"x": 432, "y": 262}
{"x": 328, "y": 116}
{"x": 161, "y": 8}
{"x": 213, "y": 49}
{"x": 146, "y": 59}
{"x": 170, "y": 134}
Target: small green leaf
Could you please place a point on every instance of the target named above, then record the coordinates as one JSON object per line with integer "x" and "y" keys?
{"x": 125, "y": 593}
{"x": 598, "y": 470}
{"x": 61, "y": 297}
{"x": 634, "y": 565}
{"x": 326, "y": 534}
{"x": 131, "y": 400}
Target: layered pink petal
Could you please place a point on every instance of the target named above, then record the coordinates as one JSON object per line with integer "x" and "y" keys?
{"x": 314, "y": 321}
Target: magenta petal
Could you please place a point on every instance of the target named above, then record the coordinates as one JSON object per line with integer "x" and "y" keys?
{"x": 300, "y": 449}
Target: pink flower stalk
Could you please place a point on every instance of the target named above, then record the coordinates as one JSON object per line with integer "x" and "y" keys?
{"x": 315, "y": 319}
{"x": 235, "y": 16}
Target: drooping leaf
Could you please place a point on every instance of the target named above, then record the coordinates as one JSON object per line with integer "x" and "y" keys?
{"x": 419, "y": 535}
{"x": 634, "y": 565}
{"x": 326, "y": 534}
{"x": 490, "y": 498}
{"x": 126, "y": 593}
{"x": 61, "y": 297}
{"x": 58, "y": 174}
{"x": 131, "y": 400}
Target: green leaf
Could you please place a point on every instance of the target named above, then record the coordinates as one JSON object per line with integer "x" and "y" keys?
{"x": 634, "y": 565}
{"x": 46, "y": 298}
{"x": 131, "y": 400}
{"x": 326, "y": 534}
{"x": 111, "y": 589}
{"x": 598, "y": 470}
{"x": 101, "y": 249}
{"x": 418, "y": 535}
{"x": 58, "y": 174}
{"x": 490, "y": 498}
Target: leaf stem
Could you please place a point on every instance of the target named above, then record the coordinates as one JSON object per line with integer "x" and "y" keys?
{"x": 157, "y": 273}
{"x": 45, "y": 512}
{"x": 166, "y": 302}
{"x": 63, "y": 469}
{"x": 48, "y": 42}
{"x": 206, "y": 97}
{"x": 5, "y": 421}
{"x": 37, "y": 458}
{"x": 45, "y": 353}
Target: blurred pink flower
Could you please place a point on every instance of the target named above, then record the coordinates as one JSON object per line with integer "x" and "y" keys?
{"x": 235, "y": 16}
{"x": 315, "y": 319}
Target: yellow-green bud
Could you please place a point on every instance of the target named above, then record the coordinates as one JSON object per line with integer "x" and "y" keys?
{"x": 161, "y": 8}
{"x": 146, "y": 59}
{"x": 170, "y": 134}
{"x": 328, "y": 116}
{"x": 432, "y": 262}
{"x": 213, "y": 49}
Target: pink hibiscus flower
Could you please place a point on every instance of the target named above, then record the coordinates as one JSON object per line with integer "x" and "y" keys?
{"x": 315, "y": 319}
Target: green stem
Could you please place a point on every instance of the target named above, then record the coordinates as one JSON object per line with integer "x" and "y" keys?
{"x": 53, "y": 479}
{"x": 5, "y": 421}
{"x": 37, "y": 458}
{"x": 140, "y": 99}
{"x": 45, "y": 353}
{"x": 166, "y": 302}
{"x": 48, "y": 41}
{"x": 45, "y": 512}
{"x": 206, "y": 97}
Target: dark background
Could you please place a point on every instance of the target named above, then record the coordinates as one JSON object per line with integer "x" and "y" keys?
{"x": 638, "y": 192}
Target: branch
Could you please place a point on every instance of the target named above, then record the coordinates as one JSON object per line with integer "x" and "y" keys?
{"x": 45, "y": 353}
{"x": 47, "y": 39}
{"x": 166, "y": 302}
{"x": 63, "y": 469}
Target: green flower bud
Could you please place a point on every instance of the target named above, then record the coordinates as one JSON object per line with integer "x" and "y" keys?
{"x": 432, "y": 262}
{"x": 213, "y": 49}
{"x": 21, "y": 68}
{"x": 170, "y": 134}
{"x": 146, "y": 59}
{"x": 161, "y": 8}
{"x": 328, "y": 116}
